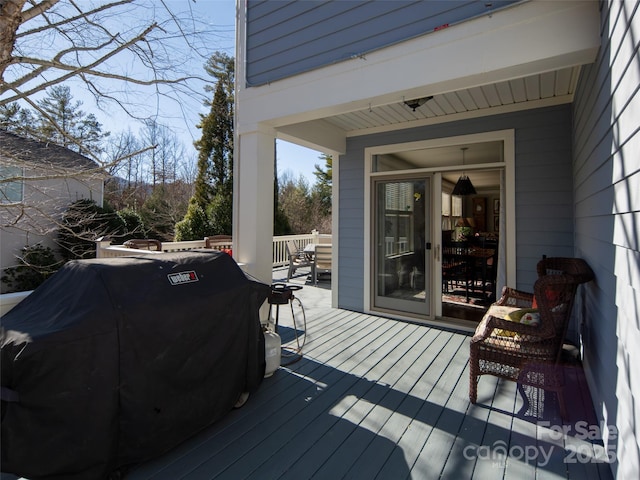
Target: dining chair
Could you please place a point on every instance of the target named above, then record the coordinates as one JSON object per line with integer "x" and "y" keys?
{"x": 297, "y": 259}
{"x": 456, "y": 266}
{"x": 322, "y": 261}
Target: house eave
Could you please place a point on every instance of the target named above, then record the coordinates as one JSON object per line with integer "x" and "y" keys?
{"x": 529, "y": 39}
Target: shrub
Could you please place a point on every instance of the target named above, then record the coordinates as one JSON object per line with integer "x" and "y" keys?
{"x": 37, "y": 263}
{"x": 82, "y": 223}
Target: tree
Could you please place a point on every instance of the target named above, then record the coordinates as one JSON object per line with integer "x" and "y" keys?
{"x": 214, "y": 183}
{"x": 166, "y": 206}
{"x": 37, "y": 263}
{"x": 280, "y": 221}
{"x": 60, "y": 120}
{"x": 125, "y": 186}
{"x": 128, "y": 55}
{"x": 82, "y": 223}
{"x": 295, "y": 200}
{"x": 18, "y": 120}
{"x": 215, "y": 147}
{"x": 322, "y": 187}
{"x": 164, "y": 157}
{"x": 194, "y": 225}
{"x": 307, "y": 208}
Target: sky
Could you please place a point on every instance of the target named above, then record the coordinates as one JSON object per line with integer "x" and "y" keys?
{"x": 219, "y": 16}
{"x": 213, "y": 25}
{"x": 296, "y": 159}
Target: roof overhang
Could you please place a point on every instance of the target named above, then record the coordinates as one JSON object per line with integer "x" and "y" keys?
{"x": 522, "y": 57}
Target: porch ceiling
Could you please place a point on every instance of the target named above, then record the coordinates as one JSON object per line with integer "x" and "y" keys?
{"x": 328, "y": 133}
{"x": 553, "y": 87}
{"x": 534, "y": 91}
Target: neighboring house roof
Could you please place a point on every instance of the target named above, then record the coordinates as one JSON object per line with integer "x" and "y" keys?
{"x": 45, "y": 154}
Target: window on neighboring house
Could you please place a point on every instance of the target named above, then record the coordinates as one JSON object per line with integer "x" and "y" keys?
{"x": 11, "y": 184}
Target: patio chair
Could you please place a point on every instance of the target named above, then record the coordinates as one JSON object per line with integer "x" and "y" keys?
{"x": 144, "y": 244}
{"x": 297, "y": 259}
{"x": 214, "y": 240}
{"x": 321, "y": 261}
{"x": 521, "y": 336}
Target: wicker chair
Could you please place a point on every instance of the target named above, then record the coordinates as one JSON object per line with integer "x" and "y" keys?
{"x": 526, "y": 353}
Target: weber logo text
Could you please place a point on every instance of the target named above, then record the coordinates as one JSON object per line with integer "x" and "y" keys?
{"x": 182, "y": 277}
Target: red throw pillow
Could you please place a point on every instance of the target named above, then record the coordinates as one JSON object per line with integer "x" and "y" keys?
{"x": 552, "y": 296}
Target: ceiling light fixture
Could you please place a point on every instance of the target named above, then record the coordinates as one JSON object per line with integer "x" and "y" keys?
{"x": 463, "y": 186}
{"x": 417, "y": 102}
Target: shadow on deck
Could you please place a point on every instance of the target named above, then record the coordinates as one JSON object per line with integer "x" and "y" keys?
{"x": 375, "y": 398}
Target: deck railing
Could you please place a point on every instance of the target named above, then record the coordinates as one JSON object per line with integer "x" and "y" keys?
{"x": 104, "y": 249}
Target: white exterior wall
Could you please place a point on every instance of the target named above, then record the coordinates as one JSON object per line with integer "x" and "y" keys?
{"x": 34, "y": 220}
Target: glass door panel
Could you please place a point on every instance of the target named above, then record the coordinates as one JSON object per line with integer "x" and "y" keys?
{"x": 401, "y": 261}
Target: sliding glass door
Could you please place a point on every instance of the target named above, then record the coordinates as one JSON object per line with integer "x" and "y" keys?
{"x": 401, "y": 263}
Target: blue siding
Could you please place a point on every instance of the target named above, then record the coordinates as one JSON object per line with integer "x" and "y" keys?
{"x": 607, "y": 224}
{"x": 544, "y": 202}
{"x": 285, "y": 37}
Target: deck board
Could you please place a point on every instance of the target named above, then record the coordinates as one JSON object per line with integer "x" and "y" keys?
{"x": 313, "y": 442}
{"x": 375, "y": 398}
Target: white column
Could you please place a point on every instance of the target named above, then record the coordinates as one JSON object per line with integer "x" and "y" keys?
{"x": 253, "y": 178}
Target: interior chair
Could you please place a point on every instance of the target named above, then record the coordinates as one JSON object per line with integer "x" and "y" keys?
{"x": 321, "y": 261}
{"x": 456, "y": 266}
{"x": 521, "y": 336}
{"x": 297, "y": 259}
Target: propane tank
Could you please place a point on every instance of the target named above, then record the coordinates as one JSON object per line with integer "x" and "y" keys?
{"x": 271, "y": 352}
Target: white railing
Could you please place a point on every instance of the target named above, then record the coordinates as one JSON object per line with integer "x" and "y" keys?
{"x": 10, "y": 300}
{"x": 105, "y": 250}
{"x": 280, "y": 257}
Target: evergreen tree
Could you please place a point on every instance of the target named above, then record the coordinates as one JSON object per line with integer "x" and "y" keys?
{"x": 37, "y": 263}
{"x": 61, "y": 121}
{"x": 18, "y": 120}
{"x": 214, "y": 182}
{"x": 281, "y": 224}
{"x": 322, "y": 188}
{"x": 194, "y": 226}
{"x": 82, "y": 223}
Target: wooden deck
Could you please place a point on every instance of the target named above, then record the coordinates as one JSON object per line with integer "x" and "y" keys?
{"x": 374, "y": 398}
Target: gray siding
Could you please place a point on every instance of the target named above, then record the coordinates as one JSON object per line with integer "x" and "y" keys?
{"x": 607, "y": 224}
{"x": 544, "y": 202}
{"x": 285, "y": 38}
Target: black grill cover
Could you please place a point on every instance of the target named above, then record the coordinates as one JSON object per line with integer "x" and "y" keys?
{"x": 114, "y": 361}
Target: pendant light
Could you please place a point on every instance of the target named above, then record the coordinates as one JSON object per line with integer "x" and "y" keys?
{"x": 463, "y": 186}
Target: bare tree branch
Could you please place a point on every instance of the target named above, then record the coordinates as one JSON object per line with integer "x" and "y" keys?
{"x": 73, "y": 71}
{"x": 89, "y": 39}
{"x": 66, "y": 20}
{"x": 38, "y": 9}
